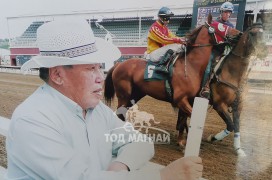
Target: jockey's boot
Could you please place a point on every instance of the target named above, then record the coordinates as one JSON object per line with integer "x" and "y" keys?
{"x": 205, "y": 91}
{"x": 163, "y": 67}
{"x": 164, "y": 59}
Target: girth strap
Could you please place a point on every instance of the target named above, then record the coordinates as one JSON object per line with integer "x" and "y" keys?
{"x": 169, "y": 90}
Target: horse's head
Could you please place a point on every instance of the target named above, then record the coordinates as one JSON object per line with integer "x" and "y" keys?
{"x": 251, "y": 42}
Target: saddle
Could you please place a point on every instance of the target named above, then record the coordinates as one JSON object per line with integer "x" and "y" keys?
{"x": 151, "y": 73}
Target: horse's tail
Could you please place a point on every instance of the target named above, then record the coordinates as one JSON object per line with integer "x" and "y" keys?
{"x": 109, "y": 90}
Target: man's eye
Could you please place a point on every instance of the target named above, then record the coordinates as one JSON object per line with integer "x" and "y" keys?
{"x": 91, "y": 68}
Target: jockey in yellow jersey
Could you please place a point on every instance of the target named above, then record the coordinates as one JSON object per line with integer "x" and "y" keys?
{"x": 161, "y": 42}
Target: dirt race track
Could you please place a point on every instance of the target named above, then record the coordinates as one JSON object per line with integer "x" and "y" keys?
{"x": 219, "y": 159}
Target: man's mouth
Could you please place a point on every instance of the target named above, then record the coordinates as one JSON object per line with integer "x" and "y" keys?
{"x": 98, "y": 91}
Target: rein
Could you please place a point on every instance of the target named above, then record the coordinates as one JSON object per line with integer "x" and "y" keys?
{"x": 220, "y": 80}
{"x": 240, "y": 56}
{"x": 202, "y": 45}
{"x": 212, "y": 33}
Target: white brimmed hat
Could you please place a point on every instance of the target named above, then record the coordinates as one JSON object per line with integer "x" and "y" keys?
{"x": 72, "y": 42}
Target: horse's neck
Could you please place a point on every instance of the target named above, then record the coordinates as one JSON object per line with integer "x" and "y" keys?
{"x": 200, "y": 55}
{"x": 203, "y": 37}
{"x": 242, "y": 48}
{"x": 237, "y": 60}
{"x": 235, "y": 66}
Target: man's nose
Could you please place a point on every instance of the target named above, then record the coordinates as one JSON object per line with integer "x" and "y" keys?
{"x": 100, "y": 76}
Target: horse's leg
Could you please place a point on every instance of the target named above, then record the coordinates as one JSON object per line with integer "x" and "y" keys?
{"x": 126, "y": 100}
{"x": 181, "y": 125}
{"x": 185, "y": 106}
{"x": 122, "y": 107}
{"x": 236, "y": 111}
{"x": 227, "y": 119}
{"x": 124, "y": 93}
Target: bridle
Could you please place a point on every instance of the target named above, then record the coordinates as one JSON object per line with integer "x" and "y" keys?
{"x": 212, "y": 33}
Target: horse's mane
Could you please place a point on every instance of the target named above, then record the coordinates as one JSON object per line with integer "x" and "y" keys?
{"x": 190, "y": 39}
{"x": 192, "y": 35}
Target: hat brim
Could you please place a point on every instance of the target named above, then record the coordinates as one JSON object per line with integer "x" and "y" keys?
{"x": 106, "y": 53}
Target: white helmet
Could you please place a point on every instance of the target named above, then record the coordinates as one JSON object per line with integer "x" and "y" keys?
{"x": 227, "y": 6}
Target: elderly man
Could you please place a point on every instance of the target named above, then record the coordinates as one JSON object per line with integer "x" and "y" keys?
{"x": 64, "y": 131}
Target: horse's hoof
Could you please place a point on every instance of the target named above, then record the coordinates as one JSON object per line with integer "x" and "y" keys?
{"x": 211, "y": 138}
{"x": 182, "y": 143}
{"x": 240, "y": 153}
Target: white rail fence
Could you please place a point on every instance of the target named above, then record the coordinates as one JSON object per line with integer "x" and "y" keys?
{"x": 4, "y": 126}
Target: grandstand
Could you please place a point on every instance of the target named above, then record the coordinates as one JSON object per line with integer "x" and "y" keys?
{"x": 132, "y": 31}
{"x": 128, "y": 33}
{"x": 28, "y": 37}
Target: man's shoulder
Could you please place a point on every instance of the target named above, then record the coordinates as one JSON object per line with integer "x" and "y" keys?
{"x": 156, "y": 24}
{"x": 36, "y": 102}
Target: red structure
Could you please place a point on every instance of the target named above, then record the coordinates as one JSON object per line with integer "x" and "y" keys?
{"x": 125, "y": 51}
{"x": 21, "y": 51}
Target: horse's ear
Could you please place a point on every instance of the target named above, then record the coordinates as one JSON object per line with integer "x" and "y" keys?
{"x": 259, "y": 21}
{"x": 209, "y": 18}
{"x": 249, "y": 21}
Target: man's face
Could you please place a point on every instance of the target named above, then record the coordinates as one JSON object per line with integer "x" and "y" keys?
{"x": 83, "y": 84}
{"x": 165, "y": 20}
{"x": 225, "y": 15}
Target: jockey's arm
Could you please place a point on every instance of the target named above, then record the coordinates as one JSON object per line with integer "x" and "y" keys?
{"x": 172, "y": 35}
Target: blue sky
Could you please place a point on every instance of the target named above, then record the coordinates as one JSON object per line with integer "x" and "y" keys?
{"x": 11, "y": 8}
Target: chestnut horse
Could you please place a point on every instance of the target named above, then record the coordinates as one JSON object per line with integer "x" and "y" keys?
{"x": 227, "y": 84}
{"x": 126, "y": 79}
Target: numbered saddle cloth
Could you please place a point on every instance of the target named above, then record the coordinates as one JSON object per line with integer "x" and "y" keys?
{"x": 152, "y": 75}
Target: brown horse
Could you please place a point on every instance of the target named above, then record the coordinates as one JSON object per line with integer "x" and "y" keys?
{"x": 227, "y": 85}
{"x": 127, "y": 78}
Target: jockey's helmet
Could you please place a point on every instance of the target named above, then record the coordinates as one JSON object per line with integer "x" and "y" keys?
{"x": 165, "y": 13}
{"x": 227, "y": 6}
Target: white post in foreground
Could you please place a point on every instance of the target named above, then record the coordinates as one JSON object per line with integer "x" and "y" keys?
{"x": 196, "y": 126}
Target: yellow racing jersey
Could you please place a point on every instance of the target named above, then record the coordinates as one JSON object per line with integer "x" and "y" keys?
{"x": 159, "y": 36}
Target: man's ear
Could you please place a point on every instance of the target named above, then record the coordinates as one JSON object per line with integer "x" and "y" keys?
{"x": 55, "y": 75}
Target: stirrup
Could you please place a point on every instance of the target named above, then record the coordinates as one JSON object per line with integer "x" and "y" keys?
{"x": 205, "y": 93}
